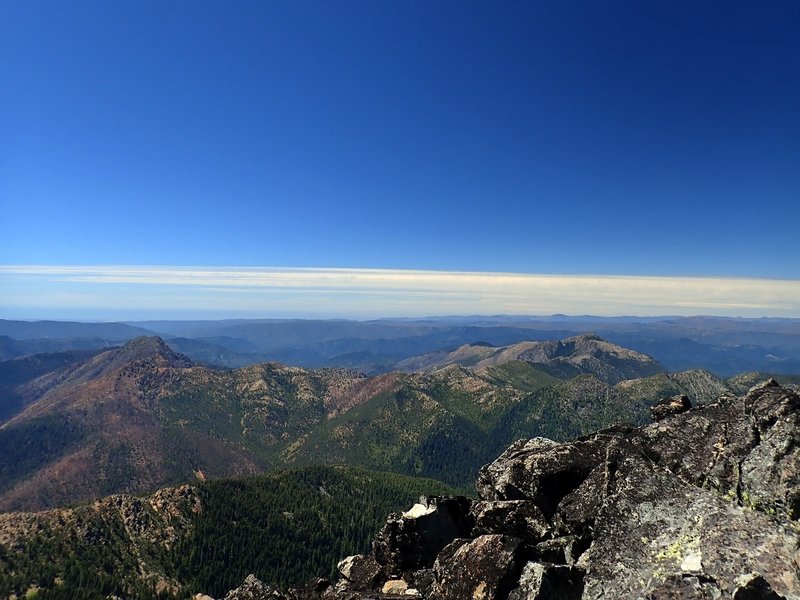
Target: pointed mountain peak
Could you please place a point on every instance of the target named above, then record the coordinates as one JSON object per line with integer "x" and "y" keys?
{"x": 145, "y": 347}
{"x": 151, "y": 342}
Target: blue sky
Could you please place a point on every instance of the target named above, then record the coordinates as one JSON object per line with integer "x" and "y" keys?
{"x": 646, "y": 139}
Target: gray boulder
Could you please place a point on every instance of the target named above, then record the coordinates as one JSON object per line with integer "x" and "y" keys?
{"x": 253, "y": 588}
{"x": 485, "y": 568}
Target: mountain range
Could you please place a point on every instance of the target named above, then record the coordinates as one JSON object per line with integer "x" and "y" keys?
{"x": 82, "y": 424}
{"x": 579, "y": 355}
{"x": 701, "y": 503}
{"x": 724, "y": 346}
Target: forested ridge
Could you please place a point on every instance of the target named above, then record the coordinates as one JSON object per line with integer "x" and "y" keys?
{"x": 285, "y": 527}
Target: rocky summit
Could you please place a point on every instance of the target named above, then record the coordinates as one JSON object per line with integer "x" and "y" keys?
{"x": 702, "y": 503}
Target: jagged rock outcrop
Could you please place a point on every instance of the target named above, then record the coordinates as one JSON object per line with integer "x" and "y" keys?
{"x": 414, "y": 539}
{"x": 253, "y": 589}
{"x": 670, "y": 406}
{"x": 702, "y": 503}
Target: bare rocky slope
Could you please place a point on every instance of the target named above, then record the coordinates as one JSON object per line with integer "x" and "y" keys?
{"x": 702, "y": 503}
{"x": 581, "y": 354}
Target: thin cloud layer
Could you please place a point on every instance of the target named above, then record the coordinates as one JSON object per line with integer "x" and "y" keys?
{"x": 58, "y": 291}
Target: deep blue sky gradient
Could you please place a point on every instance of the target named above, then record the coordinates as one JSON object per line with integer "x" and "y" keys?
{"x": 651, "y": 138}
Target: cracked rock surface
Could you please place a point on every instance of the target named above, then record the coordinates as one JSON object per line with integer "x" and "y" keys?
{"x": 702, "y": 503}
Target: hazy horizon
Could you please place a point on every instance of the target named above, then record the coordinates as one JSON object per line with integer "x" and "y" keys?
{"x": 147, "y": 292}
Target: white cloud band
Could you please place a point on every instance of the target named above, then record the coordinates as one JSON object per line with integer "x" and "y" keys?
{"x": 385, "y": 292}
